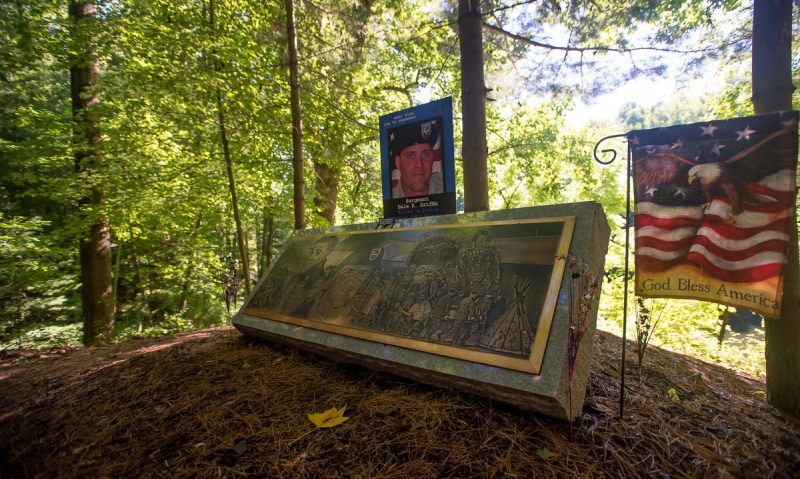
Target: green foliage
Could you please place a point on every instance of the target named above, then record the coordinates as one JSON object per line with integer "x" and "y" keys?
{"x": 534, "y": 161}
{"x": 44, "y": 336}
{"x": 37, "y": 279}
{"x": 674, "y": 112}
{"x": 171, "y": 324}
{"x": 736, "y": 98}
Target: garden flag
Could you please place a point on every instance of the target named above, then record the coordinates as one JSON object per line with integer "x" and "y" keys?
{"x": 713, "y": 208}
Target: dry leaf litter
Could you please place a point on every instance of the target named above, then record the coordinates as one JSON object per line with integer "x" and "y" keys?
{"x": 215, "y": 403}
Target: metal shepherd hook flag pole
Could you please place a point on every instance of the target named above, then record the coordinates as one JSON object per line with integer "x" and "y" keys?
{"x": 627, "y": 249}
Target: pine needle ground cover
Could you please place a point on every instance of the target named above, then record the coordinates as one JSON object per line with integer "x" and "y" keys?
{"x": 215, "y": 403}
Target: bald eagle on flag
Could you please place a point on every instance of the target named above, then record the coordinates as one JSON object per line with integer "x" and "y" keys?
{"x": 726, "y": 178}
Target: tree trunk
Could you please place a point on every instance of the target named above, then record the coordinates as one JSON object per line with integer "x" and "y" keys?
{"x": 772, "y": 91}
{"x": 473, "y": 100}
{"x": 327, "y": 182}
{"x": 297, "y": 122}
{"x": 772, "y": 55}
{"x": 95, "y": 249}
{"x": 232, "y": 185}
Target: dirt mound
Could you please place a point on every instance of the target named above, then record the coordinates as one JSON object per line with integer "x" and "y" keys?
{"x": 214, "y": 403}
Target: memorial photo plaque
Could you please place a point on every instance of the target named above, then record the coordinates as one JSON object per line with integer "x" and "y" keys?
{"x": 483, "y": 292}
{"x": 418, "y": 161}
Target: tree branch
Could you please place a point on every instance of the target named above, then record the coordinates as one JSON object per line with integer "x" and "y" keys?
{"x": 339, "y": 110}
{"x": 508, "y": 7}
{"x": 513, "y": 147}
{"x": 534, "y": 43}
{"x": 404, "y": 91}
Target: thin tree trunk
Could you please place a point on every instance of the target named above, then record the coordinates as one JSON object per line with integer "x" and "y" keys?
{"x": 115, "y": 284}
{"x": 223, "y": 131}
{"x": 297, "y": 122}
{"x": 473, "y": 99}
{"x": 266, "y": 243}
{"x": 266, "y": 257}
{"x": 270, "y": 241}
{"x": 95, "y": 249}
{"x": 140, "y": 281}
{"x": 187, "y": 275}
{"x": 772, "y": 91}
{"x": 259, "y": 231}
{"x": 232, "y": 184}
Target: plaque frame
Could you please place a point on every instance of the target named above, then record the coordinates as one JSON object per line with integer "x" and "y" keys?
{"x": 530, "y": 363}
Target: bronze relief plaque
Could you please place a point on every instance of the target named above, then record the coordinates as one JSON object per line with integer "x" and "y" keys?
{"x": 484, "y": 292}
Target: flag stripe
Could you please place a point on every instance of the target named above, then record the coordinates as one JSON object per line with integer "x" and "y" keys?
{"x": 743, "y": 259}
{"x": 750, "y": 275}
{"x": 721, "y": 229}
{"x": 735, "y": 244}
{"x": 660, "y": 244}
{"x": 662, "y": 255}
{"x": 665, "y": 234}
{"x": 741, "y": 249}
{"x": 753, "y": 214}
{"x": 658, "y": 211}
{"x": 783, "y": 180}
{"x": 648, "y": 221}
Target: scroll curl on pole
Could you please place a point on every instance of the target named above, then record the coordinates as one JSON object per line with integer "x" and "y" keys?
{"x": 607, "y": 150}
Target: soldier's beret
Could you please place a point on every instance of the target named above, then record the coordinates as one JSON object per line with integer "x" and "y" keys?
{"x": 413, "y": 134}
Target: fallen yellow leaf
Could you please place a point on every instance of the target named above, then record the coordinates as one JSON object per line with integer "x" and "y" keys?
{"x": 331, "y": 417}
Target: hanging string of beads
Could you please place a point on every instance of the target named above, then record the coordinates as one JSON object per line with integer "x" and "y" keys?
{"x": 582, "y": 289}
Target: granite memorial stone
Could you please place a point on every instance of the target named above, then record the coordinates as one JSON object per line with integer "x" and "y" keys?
{"x": 474, "y": 301}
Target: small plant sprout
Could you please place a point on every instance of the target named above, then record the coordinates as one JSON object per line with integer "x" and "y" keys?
{"x": 673, "y": 395}
{"x": 724, "y": 318}
{"x": 645, "y": 326}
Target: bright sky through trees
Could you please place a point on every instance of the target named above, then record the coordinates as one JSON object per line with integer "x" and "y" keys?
{"x": 682, "y": 76}
{"x": 644, "y": 92}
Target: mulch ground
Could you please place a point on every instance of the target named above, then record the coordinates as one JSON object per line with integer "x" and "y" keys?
{"x": 215, "y": 403}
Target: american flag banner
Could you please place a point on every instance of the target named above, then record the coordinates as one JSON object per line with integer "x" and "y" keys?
{"x": 713, "y": 205}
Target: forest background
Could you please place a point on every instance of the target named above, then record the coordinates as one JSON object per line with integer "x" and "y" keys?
{"x": 170, "y": 71}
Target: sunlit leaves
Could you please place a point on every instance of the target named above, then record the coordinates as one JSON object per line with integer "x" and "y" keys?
{"x": 533, "y": 160}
